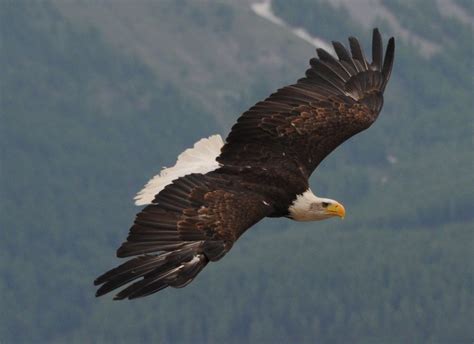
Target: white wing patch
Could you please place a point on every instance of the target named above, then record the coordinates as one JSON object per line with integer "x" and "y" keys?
{"x": 199, "y": 159}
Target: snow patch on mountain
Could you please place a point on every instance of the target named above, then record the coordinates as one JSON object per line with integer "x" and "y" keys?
{"x": 449, "y": 8}
{"x": 264, "y": 10}
{"x": 369, "y": 12}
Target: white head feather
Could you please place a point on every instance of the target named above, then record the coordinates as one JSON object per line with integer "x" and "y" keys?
{"x": 308, "y": 207}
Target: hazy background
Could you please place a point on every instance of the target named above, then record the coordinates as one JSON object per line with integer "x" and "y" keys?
{"x": 97, "y": 96}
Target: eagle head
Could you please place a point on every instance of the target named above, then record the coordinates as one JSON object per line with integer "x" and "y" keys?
{"x": 308, "y": 207}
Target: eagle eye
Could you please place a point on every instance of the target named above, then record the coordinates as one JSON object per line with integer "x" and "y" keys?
{"x": 325, "y": 204}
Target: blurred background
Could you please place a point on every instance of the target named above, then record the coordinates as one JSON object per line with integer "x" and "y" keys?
{"x": 97, "y": 96}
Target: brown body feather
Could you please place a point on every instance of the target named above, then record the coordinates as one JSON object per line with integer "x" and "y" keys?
{"x": 266, "y": 162}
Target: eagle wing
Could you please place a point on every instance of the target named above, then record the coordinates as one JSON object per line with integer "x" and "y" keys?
{"x": 194, "y": 220}
{"x": 306, "y": 121}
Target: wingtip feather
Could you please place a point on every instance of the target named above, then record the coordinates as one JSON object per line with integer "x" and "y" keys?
{"x": 357, "y": 52}
{"x": 377, "y": 49}
{"x": 388, "y": 61}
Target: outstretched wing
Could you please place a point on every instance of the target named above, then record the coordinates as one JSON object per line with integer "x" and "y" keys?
{"x": 306, "y": 121}
{"x": 194, "y": 220}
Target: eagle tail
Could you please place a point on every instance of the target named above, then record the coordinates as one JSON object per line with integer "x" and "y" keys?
{"x": 199, "y": 159}
{"x": 170, "y": 269}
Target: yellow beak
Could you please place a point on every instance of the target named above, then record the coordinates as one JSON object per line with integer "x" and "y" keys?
{"x": 336, "y": 209}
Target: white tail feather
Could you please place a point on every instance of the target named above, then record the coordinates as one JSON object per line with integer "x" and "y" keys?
{"x": 199, "y": 159}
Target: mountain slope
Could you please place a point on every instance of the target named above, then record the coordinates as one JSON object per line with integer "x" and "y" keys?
{"x": 96, "y": 98}
{"x": 186, "y": 42}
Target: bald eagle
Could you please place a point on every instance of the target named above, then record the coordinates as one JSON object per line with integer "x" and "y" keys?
{"x": 196, "y": 210}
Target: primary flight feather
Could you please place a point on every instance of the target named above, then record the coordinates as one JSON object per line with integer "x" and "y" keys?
{"x": 196, "y": 210}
